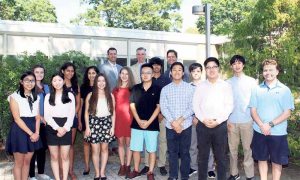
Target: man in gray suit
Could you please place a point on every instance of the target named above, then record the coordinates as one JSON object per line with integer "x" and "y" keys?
{"x": 136, "y": 68}
{"x": 110, "y": 68}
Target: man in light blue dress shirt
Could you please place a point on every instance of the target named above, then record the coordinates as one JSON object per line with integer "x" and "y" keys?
{"x": 240, "y": 120}
{"x": 176, "y": 107}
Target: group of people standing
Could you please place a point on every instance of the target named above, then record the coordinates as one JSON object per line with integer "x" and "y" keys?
{"x": 144, "y": 108}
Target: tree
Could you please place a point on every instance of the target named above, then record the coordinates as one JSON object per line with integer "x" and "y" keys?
{"x": 225, "y": 15}
{"x": 271, "y": 31}
{"x": 158, "y": 15}
{"x": 27, "y": 10}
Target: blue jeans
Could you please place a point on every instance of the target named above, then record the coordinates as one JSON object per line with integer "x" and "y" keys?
{"x": 179, "y": 144}
{"x": 217, "y": 139}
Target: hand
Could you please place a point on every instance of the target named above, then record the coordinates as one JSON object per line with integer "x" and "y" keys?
{"x": 195, "y": 121}
{"x": 79, "y": 125}
{"x": 177, "y": 126}
{"x": 210, "y": 123}
{"x": 87, "y": 132}
{"x": 34, "y": 137}
{"x": 160, "y": 117}
{"x": 61, "y": 132}
{"x": 145, "y": 125}
{"x": 43, "y": 121}
{"x": 112, "y": 132}
{"x": 266, "y": 129}
{"x": 141, "y": 123}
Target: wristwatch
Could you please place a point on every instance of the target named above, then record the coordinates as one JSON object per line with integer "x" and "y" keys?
{"x": 271, "y": 124}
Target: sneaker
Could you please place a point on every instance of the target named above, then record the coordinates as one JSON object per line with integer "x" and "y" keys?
{"x": 211, "y": 175}
{"x": 44, "y": 177}
{"x": 150, "y": 176}
{"x": 133, "y": 174}
{"x": 163, "y": 171}
{"x": 144, "y": 170}
{"x": 192, "y": 171}
{"x": 234, "y": 177}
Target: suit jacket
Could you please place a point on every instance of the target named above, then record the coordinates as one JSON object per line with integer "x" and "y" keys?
{"x": 107, "y": 69}
{"x": 136, "y": 71}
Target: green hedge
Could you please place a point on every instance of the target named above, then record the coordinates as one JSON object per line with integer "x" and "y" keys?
{"x": 13, "y": 66}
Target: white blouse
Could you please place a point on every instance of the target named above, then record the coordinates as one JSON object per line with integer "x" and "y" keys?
{"x": 23, "y": 104}
{"x": 102, "y": 108}
{"x": 60, "y": 110}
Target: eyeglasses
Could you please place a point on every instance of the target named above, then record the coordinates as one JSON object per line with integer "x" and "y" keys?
{"x": 27, "y": 81}
{"x": 212, "y": 67}
{"x": 146, "y": 73}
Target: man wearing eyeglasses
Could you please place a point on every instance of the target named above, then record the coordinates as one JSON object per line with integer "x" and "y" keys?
{"x": 212, "y": 104}
{"x": 136, "y": 68}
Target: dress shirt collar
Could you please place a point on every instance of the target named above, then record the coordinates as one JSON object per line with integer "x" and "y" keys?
{"x": 275, "y": 84}
{"x": 217, "y": 82}
{"x": 112, "y": 64}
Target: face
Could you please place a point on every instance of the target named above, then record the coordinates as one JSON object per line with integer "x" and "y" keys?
{"x": 196, "y": 73}
{"x": 124, "y": 75}
{"x": 237, "y": 67}
{"x": 57, "y": 82}
{"x": 112, "y": 56}
{"x": 171, "y": 58}
{"x": 177, "y": 72}
{"x": 140, "y": 56}
{"x": 156, "y": 68}
{"x": 92, "y": 74}
{"x": 101, "y": 83}
{"x": 270, "y": 73}
{"x": 39, "y": 73}
{"x": 146, "y": 74}
{"x": 28, "y": 83}
{"x": 212, "y": 70}
{"x": 68, "y": 72}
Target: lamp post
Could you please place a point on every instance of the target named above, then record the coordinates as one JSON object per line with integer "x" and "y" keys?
{"x": 204, "y": 10}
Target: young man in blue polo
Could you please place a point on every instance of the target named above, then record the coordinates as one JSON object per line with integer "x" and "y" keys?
{"x": 271, "y": 104}
{"x": 144, "y": 105}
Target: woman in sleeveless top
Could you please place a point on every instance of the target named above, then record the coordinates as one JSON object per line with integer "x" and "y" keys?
{"x": 23, "y": 138}
{"x": 100, "y": 123}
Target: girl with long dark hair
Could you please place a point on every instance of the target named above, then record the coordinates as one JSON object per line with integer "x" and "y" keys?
{"x": 59, "y": 114}
{"x": 100, "y": 122}
{"x": 23, "y": 138}
{"x": 68, "y": 69}
{"x": 85, "y": 89}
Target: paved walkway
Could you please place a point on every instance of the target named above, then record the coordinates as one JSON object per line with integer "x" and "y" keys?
{"x": 290, "y": 173}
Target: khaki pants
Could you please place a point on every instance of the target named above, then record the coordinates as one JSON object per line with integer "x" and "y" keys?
{"x": 243, "y": 132}
{"x": 162, "y": 146}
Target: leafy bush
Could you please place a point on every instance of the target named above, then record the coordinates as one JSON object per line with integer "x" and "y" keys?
{"x": 13, "y": 66}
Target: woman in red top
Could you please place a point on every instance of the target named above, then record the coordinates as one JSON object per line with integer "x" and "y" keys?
{"x": 123, "y": 118}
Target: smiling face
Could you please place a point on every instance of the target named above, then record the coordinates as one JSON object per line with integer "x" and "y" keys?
{"x": 124, "y": 75}
{"x": 57, "y": 82}
{"x": 140, "y": 56}
{"x": 171, "y": 58}
{"x": 101, "y": 83}
{"x": 92, "y": 74}
{"x": 237, "y": 67}
{"x": 68, "y": 72}
{"x": 39, "y": 73}
{"x": 28, "y": 83}
{"x": 112, "y": 56}
{"x": 212, "y": 71}
{"x": 270, "y": 73}
{"x": 177, "y": 73}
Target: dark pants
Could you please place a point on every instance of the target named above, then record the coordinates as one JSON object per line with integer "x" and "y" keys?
{"x": 179, "y": 144}
{"x": 217, "y": 138}
{"x": 39, "y": 155}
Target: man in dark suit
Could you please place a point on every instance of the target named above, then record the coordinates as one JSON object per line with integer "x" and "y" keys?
{"x": 110, "y": 68}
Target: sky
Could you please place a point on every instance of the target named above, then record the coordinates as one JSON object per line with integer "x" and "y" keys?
{"x": 69, "y": 9}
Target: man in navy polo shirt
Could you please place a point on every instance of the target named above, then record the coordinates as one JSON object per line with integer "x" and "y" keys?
{"x": 144, "y": 105}
{"x": 271, "y": 104}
